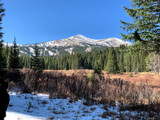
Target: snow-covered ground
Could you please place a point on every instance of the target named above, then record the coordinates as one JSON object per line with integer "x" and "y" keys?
{"x": 40, "y": 107}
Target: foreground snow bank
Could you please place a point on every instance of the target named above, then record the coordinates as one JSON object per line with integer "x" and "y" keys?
{"x": 39, "y": 107}
{"x": 19, "y": 116}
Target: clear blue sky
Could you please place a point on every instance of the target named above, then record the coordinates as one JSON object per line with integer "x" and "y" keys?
{"x": 35, "y": 21}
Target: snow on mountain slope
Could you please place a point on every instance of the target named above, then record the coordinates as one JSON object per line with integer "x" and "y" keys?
{"x": 31, "y": 50}
{"x": 80, "y": 40}
{"x": 77, "y": 43}
{"x": 69, "y": 50}
{"x": 115, "y": 42}
{"x": 10, "y": 44}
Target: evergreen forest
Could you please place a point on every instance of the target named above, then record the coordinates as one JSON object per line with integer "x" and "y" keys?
{"x": 113, "y": 60}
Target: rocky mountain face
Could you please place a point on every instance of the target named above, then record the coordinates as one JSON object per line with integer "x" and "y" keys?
{"x": 78, "y": 43}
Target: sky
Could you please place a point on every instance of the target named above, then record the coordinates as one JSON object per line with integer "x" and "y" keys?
{"x": 36, "y": 21}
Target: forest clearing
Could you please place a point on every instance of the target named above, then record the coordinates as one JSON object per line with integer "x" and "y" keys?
{"x": 142, "y": 77}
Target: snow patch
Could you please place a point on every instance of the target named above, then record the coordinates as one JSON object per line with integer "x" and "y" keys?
{"x": 31, "y": 50}
{"x": 70, "y": 50}
{"x": 36, "y": 107}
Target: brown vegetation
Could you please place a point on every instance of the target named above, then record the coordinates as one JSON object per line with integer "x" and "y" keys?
{"x": 92, "y": 87}
{"x": 152, "y": 78}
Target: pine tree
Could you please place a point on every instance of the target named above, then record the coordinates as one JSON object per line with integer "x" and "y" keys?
{"x": 112, "y": 66}
{"x": 42, "y": 62}
{"x": 146, "y": 23}
{"x": 24, "y": 61}
{"x": 142, "y": 65}
{"x": 1, "y": 33}
{"x": 35, "y": 59}
{"x": 106, "y": 57}
{"x": 48, "y": 62}
{"x": 36, "y": 64}
{"x": 136, "y": 63}
{"x": 101, "y": 61}
{"x": 5, "y": 53}
{"x": 128, "y": 63}
{"x": 121, "y": 63}
{"x": 14, "y": 56}
{"x": 121, "y": 58}
{"x": 1, "y": 57}
{"x": 2, "y": 71}
{"x": 97, "y": 68}
{"x": 67, "y": 66}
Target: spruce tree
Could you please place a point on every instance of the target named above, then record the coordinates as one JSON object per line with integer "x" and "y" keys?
{"x": 121, "y": 58}
{"x": 136, "y": 63}
{"x": 121, "y": 63}
{"x": 25, "y": 61}
{"x": 14, "y": 56}
{"x": 112, "y": 66}
{"x": 146, "y": 23}
{"x": 42, "y": 62}
{"x": 6, "y": 55}
{"x": 35, "y": 59}
{"x": 1, "y": 57}
{"x": 128, "y": 63}
{"x": 48, "y": 62}
{"x": 1, "y": 33}
{"x": 101, "y": 61}
{"x": 36, "y": 65}
{"x": 106, "y": 57}
{"x": 97, "y": 68}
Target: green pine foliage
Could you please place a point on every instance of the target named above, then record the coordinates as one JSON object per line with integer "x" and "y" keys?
{"x": 97, "y": 69}
{"x": 13, "y": 61}
{"x": 5, "y": 53}
{"x": 25, "y": 61}
{"x": 112, "y": 65}
{"x": 1, "y": 55}
{"x": 128, "y": 63}
{"x": 36, "y": 63}
{"x": 121, "y": 59}
{"x": 146, "y": 23}
{"x": 1, "y": 34}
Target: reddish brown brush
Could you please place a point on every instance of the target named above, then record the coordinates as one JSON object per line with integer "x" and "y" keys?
{"x": 94, "y": 87}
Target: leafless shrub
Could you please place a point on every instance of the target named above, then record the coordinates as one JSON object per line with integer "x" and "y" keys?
{"x": 93, "y": 88}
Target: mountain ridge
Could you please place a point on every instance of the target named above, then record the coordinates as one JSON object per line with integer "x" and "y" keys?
{"x": 80, "y": 39}
{"x": 77, "y": 43}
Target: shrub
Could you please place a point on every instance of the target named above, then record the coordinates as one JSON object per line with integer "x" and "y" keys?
{"x": 91, "y": 87}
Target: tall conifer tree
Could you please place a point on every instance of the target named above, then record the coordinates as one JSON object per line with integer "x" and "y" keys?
{"x": 1, "y": 33}
{"x": 35, "y": 59}
{"x": 14, "y": 56}
{"x": 112, "y": 66}
{"x": 146, "y": 23}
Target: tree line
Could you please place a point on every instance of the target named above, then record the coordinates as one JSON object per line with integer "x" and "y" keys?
{"x": 113, "y": 60}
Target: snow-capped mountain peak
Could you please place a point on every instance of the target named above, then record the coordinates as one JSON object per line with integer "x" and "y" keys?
{"x": 79, "y": 36}
{"x": 77, "y": 43}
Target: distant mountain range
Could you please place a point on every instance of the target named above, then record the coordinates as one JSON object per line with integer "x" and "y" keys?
{"x": 74, "y": 44}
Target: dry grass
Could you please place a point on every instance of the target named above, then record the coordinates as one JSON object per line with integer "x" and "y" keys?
{"x": 153, "y": 79}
